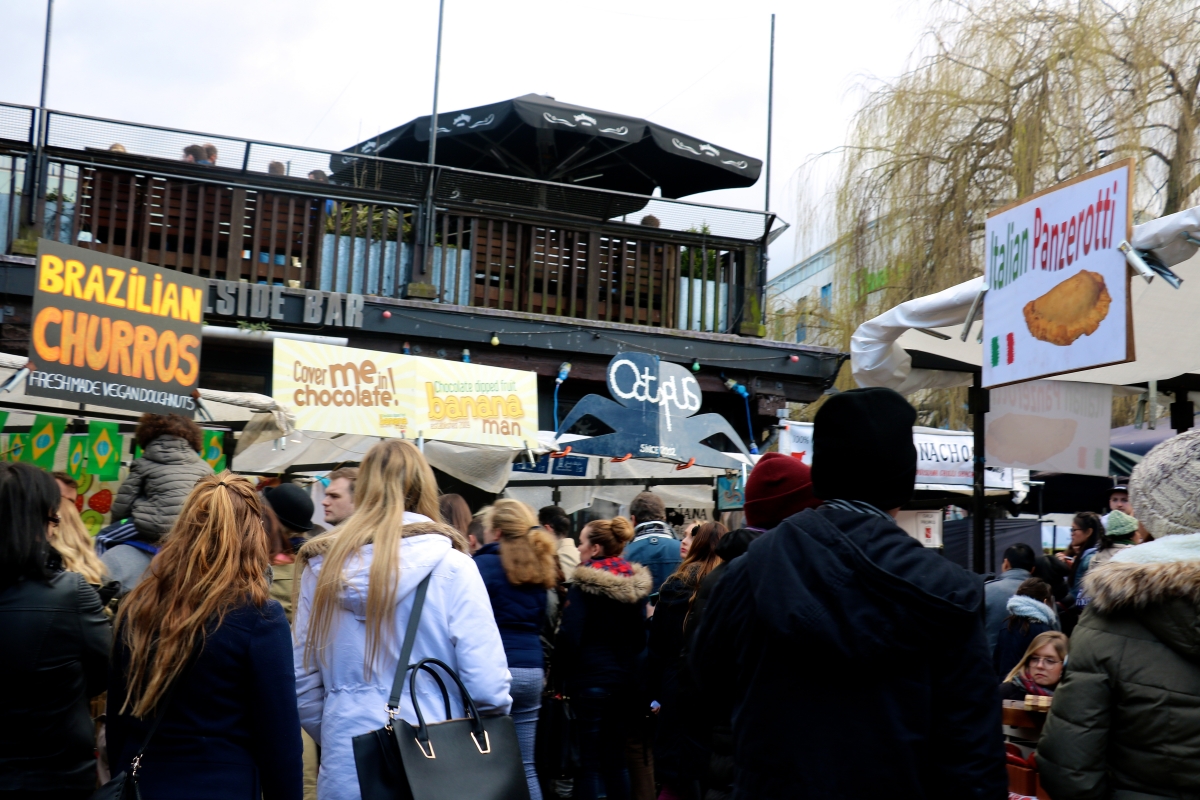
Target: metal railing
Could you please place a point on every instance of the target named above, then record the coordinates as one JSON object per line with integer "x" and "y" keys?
{"x": 273, "y": 213}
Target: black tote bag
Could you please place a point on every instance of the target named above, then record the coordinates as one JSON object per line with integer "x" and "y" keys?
{"x": 473, "y": 757}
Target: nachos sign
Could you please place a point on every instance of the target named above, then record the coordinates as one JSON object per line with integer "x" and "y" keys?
{"x": 1058, "y": 286}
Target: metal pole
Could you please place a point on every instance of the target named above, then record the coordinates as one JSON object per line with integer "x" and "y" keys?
{"x": 40, "y": 142}
{"x": 437, "y": 72}
{"x": 770, "y": 113}
{"x": 430, "y": 222}
{"x": 978, "y": 402}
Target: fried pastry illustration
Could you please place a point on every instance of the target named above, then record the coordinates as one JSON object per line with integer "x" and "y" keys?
{"x": 1073, "y": 308}
{"x": 1029, "y": 439}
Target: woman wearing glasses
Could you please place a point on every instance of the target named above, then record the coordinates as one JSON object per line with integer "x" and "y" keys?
{"x": 1040, "y": 670}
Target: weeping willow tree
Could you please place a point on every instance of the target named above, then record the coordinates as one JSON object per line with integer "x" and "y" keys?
{"x": 1006, "y": 97}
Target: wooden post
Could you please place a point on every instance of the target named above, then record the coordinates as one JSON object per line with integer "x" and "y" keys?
{"x": 752, "y": 311}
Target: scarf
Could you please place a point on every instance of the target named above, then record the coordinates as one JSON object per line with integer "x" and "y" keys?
{"x": 614, "y": 564}
{"x": 1026, "y": 683}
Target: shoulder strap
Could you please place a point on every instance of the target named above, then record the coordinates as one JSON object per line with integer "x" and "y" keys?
{"x": 163, "y": 705}
{"x": 410, "y": 635}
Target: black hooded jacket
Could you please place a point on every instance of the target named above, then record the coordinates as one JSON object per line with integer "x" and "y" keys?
{"x": 856, "y": 666}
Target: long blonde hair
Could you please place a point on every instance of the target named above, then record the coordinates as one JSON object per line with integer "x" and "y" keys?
{"x": 527, "y": 551}
{"x": 394, "y": 477}
{"x": 213, "y": 560}
{"x": 72, "y": 541}
{"x": 1059, "y": 640}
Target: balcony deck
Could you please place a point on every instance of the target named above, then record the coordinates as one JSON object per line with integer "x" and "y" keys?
{"x": 302, "y": 217}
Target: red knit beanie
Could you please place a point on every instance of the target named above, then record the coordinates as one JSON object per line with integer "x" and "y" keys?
{"x": 779, "y": 486}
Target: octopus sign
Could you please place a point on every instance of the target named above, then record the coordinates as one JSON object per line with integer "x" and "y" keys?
{"x": 654, "y": 417}
{"x": 1058, "y": 285}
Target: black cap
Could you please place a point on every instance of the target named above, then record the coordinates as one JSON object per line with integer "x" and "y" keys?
{"x": 1120, "y": 487}
{"x": 863, "y": 448}
{"x": 292, "y": 505}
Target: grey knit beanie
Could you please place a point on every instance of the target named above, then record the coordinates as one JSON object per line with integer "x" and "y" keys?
{"x": 1165, "y": 487}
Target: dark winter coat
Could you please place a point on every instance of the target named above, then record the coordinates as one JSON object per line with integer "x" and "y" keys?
{"x": 1125, "y": 722}
{"x": 856, "y": 665}
{"x": 997, "y": 593}
{"x": 232, "y": 731}
{"x": 713, "y": 729}
{"x": 603, "y": 629}
{"x": 157, "y": 485}
{"x": 665, "y": 680}
{"x": 55, "y": 641}
{"x": 520, "y": 611}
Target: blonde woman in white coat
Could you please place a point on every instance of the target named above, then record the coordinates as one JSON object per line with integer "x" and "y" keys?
{"x": 353, "y": 608}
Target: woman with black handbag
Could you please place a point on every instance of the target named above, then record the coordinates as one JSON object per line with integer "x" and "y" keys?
{"x": 55, "y": 639}
{"x": 202, "y": 699}
{"x": 603, "y": 632}
{"x": 359, "y": 586}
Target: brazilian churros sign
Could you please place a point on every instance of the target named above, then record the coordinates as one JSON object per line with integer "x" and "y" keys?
{"x": 373, "y": 393}
{"x": 1058, "y": 285}
{"x": 109, "y": 331}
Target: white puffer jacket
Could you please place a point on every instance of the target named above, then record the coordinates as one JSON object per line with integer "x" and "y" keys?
{"x": 337, "y": 703}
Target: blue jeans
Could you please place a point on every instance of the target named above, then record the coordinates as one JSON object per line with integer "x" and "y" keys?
{"x": 527, "y": 699}
{"x": 600, "y": 713}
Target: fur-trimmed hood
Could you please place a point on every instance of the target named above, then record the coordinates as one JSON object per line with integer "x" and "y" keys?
{"x": 1160, "y": 583}
{"x": 622, "y": 588}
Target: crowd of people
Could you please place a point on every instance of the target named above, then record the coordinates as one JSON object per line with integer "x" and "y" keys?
{"x": 216, "y": 641}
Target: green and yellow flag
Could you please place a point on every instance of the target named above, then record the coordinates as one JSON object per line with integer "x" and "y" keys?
{"x": 44, "y": 436}
{"x": 3, "y": 419}
{"x": 213, "y": 449}
{"x": 77, "y": 457}
{"x": 18, "y": 447}
{"x": 104, "y": 450}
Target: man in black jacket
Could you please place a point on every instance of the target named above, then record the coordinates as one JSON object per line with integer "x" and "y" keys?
{"x": 854, "y": 659}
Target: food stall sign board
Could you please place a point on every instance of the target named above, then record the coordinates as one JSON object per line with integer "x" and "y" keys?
{"x": 1058, "y": 284}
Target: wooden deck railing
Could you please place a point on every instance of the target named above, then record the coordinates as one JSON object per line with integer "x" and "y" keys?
{"x": 566, "y": 259}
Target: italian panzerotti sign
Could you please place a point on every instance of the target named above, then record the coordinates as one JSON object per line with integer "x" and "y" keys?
{"x": 109, "y": 331}
{"x": 373, "y": 393}
{"x": 1058, "y": 286}
{"x": 653, "y": 416}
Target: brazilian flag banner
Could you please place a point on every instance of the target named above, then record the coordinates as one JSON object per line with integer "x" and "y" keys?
{"x": 18, "y": 447}
{"x": 77, "y": 457}
{"x": 44, "y": 436}
{"x": 213, "y": 450}
{"x": 104, "y": 450}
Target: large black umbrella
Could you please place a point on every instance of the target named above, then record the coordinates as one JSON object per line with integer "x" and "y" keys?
{"x": 535, "y": 136}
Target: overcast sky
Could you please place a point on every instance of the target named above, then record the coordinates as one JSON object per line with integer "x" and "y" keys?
{"x": 329, "y": 74}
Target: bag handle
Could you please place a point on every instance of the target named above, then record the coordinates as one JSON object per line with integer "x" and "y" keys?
{"x": 477, "y": 731}
{"x": 441, "y": 685}
{"x": 410, "y": 635}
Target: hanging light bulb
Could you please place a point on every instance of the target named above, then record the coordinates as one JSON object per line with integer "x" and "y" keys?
{"x": 466, "y": 356}
{"x": 495, "y": 340}
{"x": 695, "y": 365}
